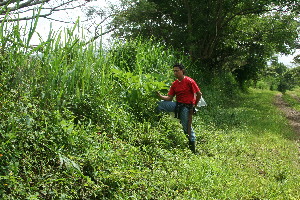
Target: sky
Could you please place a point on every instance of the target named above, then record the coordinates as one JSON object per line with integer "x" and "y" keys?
{"x": 44, "y": 27}
{"x": 286, "y": 60}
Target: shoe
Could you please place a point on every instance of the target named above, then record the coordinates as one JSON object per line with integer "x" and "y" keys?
{"x": 192, "y": 146}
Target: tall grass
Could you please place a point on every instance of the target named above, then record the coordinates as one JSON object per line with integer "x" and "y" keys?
{"x": 54, "y": 108}
{"x": 78, "y": 122}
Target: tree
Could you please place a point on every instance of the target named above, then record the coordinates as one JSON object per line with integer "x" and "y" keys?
{"x": 280, "y": 77}
{"x": 97, "y": 19}
{"x": 220, "y": 34}
{"x": 261, "y": 37}
{"x": 296, "y": 60}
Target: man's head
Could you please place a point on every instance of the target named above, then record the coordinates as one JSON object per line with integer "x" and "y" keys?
{"x": 179, "y": 71}
{"x": 180, "y": 66}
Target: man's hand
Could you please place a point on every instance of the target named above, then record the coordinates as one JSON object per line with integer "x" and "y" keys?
{"x": 158, "y": 95}
{"x": 166, "y": 98}
{"x": 198, "y": 97}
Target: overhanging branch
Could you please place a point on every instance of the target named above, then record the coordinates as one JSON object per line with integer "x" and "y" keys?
{"x": 27, "y": 6}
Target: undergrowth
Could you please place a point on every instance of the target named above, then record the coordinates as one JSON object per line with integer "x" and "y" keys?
{"x": 80, "y": 123}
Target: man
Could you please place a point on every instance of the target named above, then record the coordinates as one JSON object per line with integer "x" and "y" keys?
{"x": 187, "y": 95}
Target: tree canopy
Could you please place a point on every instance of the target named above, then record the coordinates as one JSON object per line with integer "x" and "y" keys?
{"x": 236, "y": 35}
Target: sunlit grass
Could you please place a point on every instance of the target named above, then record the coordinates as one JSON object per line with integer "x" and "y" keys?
{"x": 79, "y": 123}
{"x": 257, "y": 157}
{"x": 293, "y": 98}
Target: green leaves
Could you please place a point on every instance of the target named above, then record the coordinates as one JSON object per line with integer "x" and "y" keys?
{"x": 144, "y": 83}
{"x": 217, "y": 34}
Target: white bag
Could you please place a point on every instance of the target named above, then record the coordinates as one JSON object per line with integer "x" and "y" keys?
{"x": 201, "y": 102}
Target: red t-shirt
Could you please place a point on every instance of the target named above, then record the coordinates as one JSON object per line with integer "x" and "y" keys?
{"x": 184, "y": 90}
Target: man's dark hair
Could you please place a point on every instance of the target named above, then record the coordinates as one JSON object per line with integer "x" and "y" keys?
{"x": 180, "y": 66}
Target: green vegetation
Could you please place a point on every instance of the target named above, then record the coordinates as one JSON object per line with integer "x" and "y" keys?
{"x": 293, "y": 98}
{"x": 239, "y": 36}
{"x": 295, "y": 92}
{"x": 279, "y": 77}
{"x": 79, "y": 123}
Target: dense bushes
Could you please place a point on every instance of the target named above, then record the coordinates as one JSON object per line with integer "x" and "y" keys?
{"x": 79, "y": 123}
{"x": 67, "y": 116}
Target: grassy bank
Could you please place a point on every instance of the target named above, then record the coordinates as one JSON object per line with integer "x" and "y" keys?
{"x": 245, "y": 151}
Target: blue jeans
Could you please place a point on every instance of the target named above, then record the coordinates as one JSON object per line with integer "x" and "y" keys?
{"x": 169, "y": 106}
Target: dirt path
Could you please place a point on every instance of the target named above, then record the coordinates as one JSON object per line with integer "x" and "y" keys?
{"x": 292, "y": 115}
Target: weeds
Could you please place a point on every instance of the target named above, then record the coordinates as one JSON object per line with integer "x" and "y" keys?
{"x": 79, "y": 123}
{"x": 293, "y": 98}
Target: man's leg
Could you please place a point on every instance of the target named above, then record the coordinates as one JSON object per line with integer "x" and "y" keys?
{"x": 184, "y": 118}
{"x": 167, "y": 106}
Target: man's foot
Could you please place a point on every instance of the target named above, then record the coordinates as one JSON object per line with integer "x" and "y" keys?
{"x": 192, "y": 146}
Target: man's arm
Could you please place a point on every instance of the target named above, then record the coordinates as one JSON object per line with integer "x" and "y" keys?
{"x": 198, "y": 97}
{"x": 166, "y": 98}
